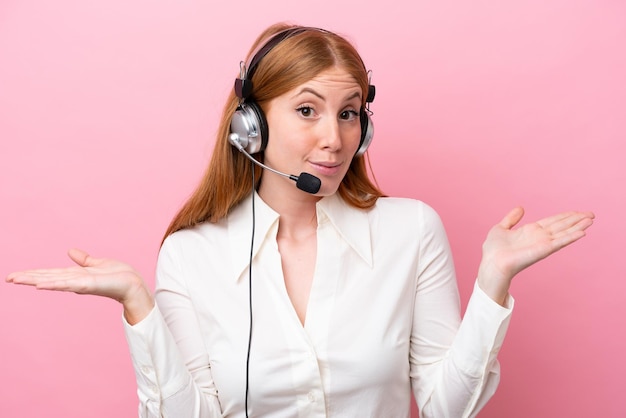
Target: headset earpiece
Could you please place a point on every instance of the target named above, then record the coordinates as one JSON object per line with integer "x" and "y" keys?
{"x": 367, "y": 132}
{"x": 367, "y": 126}
{"x": 249, "y": 124}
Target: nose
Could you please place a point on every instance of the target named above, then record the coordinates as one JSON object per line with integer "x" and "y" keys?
{"x": 330, "y": 135}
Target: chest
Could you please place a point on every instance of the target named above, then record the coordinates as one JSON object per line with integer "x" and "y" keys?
{"x": 356, "y": 334}
{"x": 298, "y": 259}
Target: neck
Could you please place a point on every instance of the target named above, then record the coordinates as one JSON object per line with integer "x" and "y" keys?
{"x": 297, "y": 210}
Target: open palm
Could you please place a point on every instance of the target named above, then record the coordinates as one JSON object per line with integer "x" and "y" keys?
{"x": 507, "y": 251}
{"x": 96, "y": 276}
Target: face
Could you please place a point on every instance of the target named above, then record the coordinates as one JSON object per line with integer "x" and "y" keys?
{"x": 314, "y": 128}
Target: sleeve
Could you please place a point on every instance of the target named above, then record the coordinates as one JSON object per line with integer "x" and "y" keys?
{"x": 454, "y": 367}
{"x": 169, "y": 358}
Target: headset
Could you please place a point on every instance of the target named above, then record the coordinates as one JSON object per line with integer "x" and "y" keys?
{"x": 248, "y": 123}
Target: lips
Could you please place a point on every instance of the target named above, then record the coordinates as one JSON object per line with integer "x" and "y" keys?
{"x": 327, "y": 168}
{"x": 326, "y": 164}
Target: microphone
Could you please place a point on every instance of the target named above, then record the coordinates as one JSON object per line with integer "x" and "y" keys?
{"x": 305, "y": 181}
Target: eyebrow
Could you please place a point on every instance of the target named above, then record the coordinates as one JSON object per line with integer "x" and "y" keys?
{"x": 356, "y": 94}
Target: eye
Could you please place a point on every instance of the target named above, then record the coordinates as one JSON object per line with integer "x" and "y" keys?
{"x": 348, "y": 115}
{"x": 306, "y": 111}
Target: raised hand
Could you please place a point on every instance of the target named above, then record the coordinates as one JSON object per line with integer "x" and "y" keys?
{"x": 507, "y": 251}
{"x": 95, "y": 276}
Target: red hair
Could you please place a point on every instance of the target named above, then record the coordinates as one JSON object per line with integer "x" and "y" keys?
{"x": 295, "y": 60}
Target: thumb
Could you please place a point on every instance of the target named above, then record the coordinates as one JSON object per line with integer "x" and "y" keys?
{"x": 512, "y": 218}
{"x": 81, "y": 258}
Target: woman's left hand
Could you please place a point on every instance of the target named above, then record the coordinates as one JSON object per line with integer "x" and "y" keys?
{"x": 507, "y": 251}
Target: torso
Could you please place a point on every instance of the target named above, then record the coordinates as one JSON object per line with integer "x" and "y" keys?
{"x": 355, "y": 297}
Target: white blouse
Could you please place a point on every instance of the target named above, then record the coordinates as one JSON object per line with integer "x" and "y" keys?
{"x": 382, "y": 321}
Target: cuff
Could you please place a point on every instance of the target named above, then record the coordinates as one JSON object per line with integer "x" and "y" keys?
{"x": 482, "y": 332}
{"x": 159, "y": 369}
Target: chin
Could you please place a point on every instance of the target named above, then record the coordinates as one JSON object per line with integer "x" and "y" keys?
{"x": 327, "y": 189}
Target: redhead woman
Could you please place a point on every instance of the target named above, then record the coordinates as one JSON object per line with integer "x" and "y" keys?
{"x": 319, "y": 298}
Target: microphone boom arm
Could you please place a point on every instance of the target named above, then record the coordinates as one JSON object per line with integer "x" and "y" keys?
{"x": 305, "y": 182}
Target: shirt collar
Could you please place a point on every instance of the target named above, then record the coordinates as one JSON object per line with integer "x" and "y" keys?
{"x": 351, "y": 224}
{"x": 240, "y": 231}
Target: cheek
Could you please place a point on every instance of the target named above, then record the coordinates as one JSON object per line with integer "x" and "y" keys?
{"x": 353, "y": 137}
{"x": 286, "y": 144}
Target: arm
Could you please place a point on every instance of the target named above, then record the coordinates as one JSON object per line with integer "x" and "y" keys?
{"x": 454, "y": 364}
{"x": 165, "y": 385}
{"x": 169, "y": 356}
{"x": 454, "y": 370}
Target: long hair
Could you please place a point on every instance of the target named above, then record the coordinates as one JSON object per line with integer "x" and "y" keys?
{"x": 294, "y": 61}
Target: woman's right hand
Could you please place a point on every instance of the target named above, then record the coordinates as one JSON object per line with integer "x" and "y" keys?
{"x": 94, "y": 276}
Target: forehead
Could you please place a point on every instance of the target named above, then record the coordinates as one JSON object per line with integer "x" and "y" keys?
{"x": 336, "y": 75}
{"x": 334, "y": 79}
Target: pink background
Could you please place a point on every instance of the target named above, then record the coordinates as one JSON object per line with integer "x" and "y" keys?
{"x": 107, "y": 116}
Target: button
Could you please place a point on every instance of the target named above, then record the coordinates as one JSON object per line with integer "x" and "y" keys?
{"x": 311, "y": 396}
{"x": 154, "y": 389}
{"x": 146, "y": 369}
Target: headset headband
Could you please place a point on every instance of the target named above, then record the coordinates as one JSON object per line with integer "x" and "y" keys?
{"x": 243, "y": 84}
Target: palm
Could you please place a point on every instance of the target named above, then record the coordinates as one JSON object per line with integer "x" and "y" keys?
{"x": 102, "y": 277}
{"x": 508, "y": 251}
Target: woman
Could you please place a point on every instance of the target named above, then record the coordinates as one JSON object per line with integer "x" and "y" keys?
{"x": 283, "y": 301}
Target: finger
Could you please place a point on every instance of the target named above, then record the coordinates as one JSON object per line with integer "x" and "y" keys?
{"x": 567, "y": 239}
{"x": 512, "y": 218}
{"x": 59, "y": 285}
{"x": 581, "y": 225}
{"x": 19, "y": 277}
{"x": 40, "y": 274}
{"x": 35, "y": 277}
{"x": 82, "y": 258}
{"x": 559, "y": 217}
{"x": 26, "y": 280}
{"x": 67, "y": 285}
{"x": 566, "y": 220}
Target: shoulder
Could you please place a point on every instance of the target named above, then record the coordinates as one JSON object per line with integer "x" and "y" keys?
{"x": 408, "y": 223}
{"x": 405, "y": 217}
{"x": 196, "y": 239}
{"x": 405, "y": 209}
